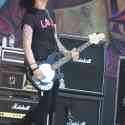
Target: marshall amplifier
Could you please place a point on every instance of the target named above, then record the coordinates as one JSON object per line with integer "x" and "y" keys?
{"x": 87, "y": 72}
{"x": 78, "y": 109}
{"x": 12, "y": 55}
{"x": 14, "y": 105}
{"x": 12, "y": 76}
{"x": 119, "y": 108}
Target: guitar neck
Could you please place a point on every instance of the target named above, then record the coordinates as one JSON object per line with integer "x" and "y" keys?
{"x": 84, "y": 46}
{"x": 67, "y": 58}
{"x": 61, "y": 62}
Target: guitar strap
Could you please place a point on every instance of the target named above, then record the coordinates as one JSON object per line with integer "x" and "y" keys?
{"x": 55, "y": 33}
{"x": 50, "y": 18}
{"x": 58, "y": 42}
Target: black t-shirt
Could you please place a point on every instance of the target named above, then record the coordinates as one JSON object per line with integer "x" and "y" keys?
{"x": 43, "y": 41}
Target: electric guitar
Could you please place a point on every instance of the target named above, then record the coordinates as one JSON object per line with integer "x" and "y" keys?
{"x": 48, "y": 70}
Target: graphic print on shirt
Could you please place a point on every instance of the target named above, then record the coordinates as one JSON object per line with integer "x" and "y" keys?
{"x": 46, "y": 23}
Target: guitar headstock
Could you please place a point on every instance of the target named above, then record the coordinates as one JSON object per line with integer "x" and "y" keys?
{"x": 96, "y": 38}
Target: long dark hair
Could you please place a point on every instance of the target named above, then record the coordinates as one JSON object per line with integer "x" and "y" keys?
{"x": 27, "y": 4}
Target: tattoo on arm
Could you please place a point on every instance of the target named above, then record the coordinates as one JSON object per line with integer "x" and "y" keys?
{"x": 27, "y": 41}
{"x": 27, "y": 34}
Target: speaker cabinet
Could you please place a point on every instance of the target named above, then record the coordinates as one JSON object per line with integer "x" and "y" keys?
{"x": 12, "y": 76}
{"x": 87, "y": 72}
{"x": 15, "y": 104}
{"x": 81, "y": 109}
{"x": 120, "y": 94}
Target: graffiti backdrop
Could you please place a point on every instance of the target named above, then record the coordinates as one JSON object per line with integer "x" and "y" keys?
{"x": 10, "y": 18}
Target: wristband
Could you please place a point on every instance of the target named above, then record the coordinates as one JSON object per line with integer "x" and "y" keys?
{"x": 33, "y": 64}
{"x": 35, "y": 69}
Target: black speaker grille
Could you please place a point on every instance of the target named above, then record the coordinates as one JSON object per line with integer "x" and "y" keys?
{"x": 87, "y": 72}
{"x": 84, "y": 109}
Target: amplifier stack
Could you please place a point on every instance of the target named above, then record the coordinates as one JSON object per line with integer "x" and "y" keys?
{"x": 82, "y": 96}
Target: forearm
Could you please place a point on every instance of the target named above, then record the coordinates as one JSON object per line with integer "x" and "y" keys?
{"x": 30, "y": 57}
{"x": 27, "y": 42}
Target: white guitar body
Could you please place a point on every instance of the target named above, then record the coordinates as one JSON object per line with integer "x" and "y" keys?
{"x": 47, "y": 82}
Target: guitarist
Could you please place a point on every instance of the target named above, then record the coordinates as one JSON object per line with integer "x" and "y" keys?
{"x": 40, "y": 40}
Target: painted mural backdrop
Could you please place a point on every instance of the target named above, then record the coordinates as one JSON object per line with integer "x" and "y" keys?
{"x": 83, "y": 19}
{"x": 121, "y": 5}
{"x": 117, "y": 32}
{"x": 10, "y": 18}
{"x": 80, "y": 20}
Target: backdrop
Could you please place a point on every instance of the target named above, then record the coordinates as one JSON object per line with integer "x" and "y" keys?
{"x": 77, "y": 17}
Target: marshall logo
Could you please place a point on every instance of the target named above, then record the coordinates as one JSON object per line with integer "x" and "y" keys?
{"x": 85, "y": 61}
{"x": 23, "y": 107}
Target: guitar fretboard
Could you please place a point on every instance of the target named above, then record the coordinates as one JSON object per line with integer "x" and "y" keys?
{"x": 84, "y": 46}
{"x": 67, "y": 58}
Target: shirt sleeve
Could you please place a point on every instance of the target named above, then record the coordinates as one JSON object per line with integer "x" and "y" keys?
{"x": 28, "y": 19}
